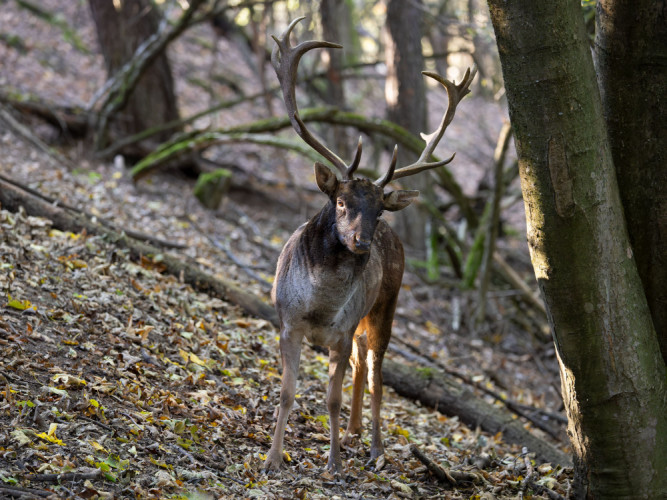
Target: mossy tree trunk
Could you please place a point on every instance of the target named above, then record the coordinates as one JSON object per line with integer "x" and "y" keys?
{"x": 631, "y": 53}
{"x": 121, "y": 28}
{"x": 612, "y": 371}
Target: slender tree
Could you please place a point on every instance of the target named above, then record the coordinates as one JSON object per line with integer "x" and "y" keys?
{"x": 612, "y": 372}
{"x": 332, "y": 13}
{"x": 406, "y": 101}
{"x": 121, "y": 28}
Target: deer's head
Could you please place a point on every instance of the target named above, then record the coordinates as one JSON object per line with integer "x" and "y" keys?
{"x": 358, "y": 205}
{"x": 357, "y": 202}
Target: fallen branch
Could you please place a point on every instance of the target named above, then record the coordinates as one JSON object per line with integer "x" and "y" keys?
{"x": 133, "y": 234}
{"x": 65, "y": 476}
{"x": 453, "y": 477}
{"x": 120, "y": 86}
{"x": 442, "y": 392}
{"x": 23, "y": 493}
{"x": 24, "y": 133}
{"x": 521, "y": 410}
{"x": 190, "y": 142}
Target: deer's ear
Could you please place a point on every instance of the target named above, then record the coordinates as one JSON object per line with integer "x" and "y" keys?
{"x": 398, "y": 200}
{"x": 326, "y": 179}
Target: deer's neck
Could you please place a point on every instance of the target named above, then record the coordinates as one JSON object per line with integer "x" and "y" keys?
{"x": 323, "y": 247}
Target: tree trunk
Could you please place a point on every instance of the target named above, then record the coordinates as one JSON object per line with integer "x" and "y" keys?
{"x": 331, "y": 12}
{"x": 612, "y": 372}
{"x": 120, "y": 31}
{"x": 406, "y": 104}
{"x": 631, "y": 51}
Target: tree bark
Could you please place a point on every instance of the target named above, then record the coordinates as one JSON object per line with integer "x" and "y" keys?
{"x": 631, "y": 52}
{"x": 612, "y": 372}
{"x": 331, "y": 12}
{"x": 120, "y": 31}
{"x": 405, "y": 95}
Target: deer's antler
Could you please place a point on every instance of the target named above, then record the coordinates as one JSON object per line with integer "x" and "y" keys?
{"x": 285, "y": 60}
{"x": 455, "y": 93}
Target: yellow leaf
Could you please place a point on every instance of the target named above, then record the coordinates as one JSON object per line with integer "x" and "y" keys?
{"x": 21, "y": 305}
{"x": 51, "y": 436}
{"x": 195, "y": 359}
{"x": 52, "y": 430}
{"x": 432, "y": 328}
{"x": 97, "y": 446}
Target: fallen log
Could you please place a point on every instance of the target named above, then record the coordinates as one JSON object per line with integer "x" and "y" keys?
{"x": 431, "y": 387}
{"x": 444, "y": 393}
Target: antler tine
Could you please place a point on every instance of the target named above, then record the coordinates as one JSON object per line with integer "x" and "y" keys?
{"x": 454, "y": 93}
{"x": 285, "y": 60}
{"x": 390, "y": 173}
{"x": 355, "y": 162}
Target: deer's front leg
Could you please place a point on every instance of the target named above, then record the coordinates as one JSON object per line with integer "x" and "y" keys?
{"x": 290, "y": 350}
{"x": 338, "y": 359}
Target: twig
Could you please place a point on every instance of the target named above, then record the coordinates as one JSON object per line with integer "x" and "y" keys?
{"x": 23, "y": 493}
{"x": 198, "y": 457}
{"x": 96, "y": 422}
{"x": 529, "y": 481}
{"x": 450, "y": 476}
{"x": 513, "y": 278}
{"x": 64, "y": 477}
{"x": 228, "y": 252}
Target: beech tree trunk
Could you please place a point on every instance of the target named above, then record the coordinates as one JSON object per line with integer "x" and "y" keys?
{"x": 120, "y": 31}
{"x": 406, "y": 105}
{"x": 612, "y": 372}
{"x": 631, "y": 53}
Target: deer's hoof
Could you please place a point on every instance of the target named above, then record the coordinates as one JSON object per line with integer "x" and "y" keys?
{"x": 273, "y": 462}
{"x": 350, "y": 438}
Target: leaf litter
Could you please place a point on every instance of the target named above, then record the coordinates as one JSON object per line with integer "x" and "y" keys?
{"x": 117, "y": 368}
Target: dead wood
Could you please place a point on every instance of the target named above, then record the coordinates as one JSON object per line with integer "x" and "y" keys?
{"x": 431, "y": 387}
{"x": 23, "y": 493}
{"x": 134, "y": 234}
{"x": 67, "y": 118}
{"x": 12, "y": 197}
{"x": 450, "y": 476}
{"x": 67, "y": 476}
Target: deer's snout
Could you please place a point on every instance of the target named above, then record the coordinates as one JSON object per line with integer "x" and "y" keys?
{"x": 361, "y": 244}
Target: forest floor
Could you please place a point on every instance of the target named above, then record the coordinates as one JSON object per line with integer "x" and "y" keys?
{"x": 118, "y": 380}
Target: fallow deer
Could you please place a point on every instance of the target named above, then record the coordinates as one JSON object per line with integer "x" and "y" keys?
{"x": 339, "y": 274}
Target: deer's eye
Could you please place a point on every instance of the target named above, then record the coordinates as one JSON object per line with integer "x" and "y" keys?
{"x": 340, "y": 203}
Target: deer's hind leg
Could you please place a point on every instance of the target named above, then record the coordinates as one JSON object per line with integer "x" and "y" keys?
{"x": 359, "y": 372}
{"x": 379, "y": 332}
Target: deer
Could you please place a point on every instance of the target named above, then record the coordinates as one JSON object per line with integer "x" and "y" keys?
{"x": 338, "y": 276}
